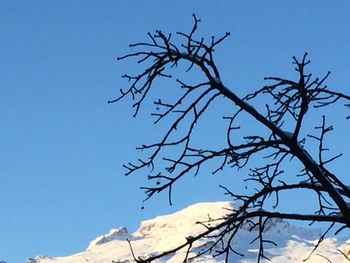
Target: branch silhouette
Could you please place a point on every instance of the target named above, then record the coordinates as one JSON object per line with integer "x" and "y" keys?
{"x": 289, "y": 102}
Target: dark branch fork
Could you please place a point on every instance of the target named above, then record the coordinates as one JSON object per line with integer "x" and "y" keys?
{"x": 290, "y": 101}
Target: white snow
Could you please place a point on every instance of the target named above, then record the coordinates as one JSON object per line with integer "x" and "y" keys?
{"x": 166, "y": 232}
{"x": 114, "y": 234}
{"x": 289, "y": 134}
{"x": 217, "y": 80}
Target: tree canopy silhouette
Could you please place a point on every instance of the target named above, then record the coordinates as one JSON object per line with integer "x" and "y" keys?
{"x": 285, "y": 142}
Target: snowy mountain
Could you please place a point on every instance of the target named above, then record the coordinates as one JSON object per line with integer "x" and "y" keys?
{"x": 165, "y": 232}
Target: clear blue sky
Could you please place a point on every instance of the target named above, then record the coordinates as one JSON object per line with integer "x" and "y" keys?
{"x": 62, "y": 146}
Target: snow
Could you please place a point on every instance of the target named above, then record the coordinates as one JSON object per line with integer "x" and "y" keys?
{"x": 217, "y": 80}
{"x": 168, "y": 231}
{"x": 114, "y": 234}
{"x": 289, "y": 134}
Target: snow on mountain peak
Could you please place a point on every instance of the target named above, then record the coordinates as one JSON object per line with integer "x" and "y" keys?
{"x": 169, "y": 231}
{"x": 113, "y": 234}
{"x": 184, "y": 221}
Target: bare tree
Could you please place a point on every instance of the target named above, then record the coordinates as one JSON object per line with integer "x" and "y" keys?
{"x": 284, "y": 143}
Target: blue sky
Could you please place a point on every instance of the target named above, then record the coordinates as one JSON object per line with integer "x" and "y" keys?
{"x": 63, "y": 146}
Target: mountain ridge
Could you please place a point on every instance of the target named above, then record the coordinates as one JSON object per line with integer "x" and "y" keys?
{"x": 169, "y": 231}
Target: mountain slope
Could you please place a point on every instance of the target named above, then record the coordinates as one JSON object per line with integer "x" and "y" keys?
{"x": 165, "y": 232}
